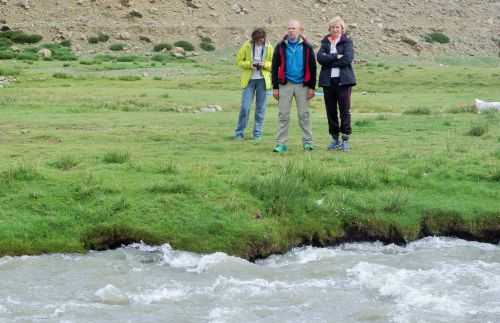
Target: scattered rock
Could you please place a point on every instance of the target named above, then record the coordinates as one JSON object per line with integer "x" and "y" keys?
{"x": 145, "y": 39}
{"x": 134, "y": 13}
{"x": 126, "y": 3}
{"x": 195, "y": 4}
{"x": 179, "y": 50}
{"x": 412, "y": 41}
{"x": 211, "y": 108}
{"x": 45, "y": 53}
{"x": 123, "y": 36}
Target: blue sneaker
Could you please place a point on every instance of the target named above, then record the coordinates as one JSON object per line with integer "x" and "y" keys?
{"x": 238, "y": 138}
{"x": 280, "y": 148}
{"x": 308, "y": 147}
{"x": 334, "y": 145}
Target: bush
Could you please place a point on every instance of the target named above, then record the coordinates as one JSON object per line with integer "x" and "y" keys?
{"x": 116, "y": 157}
{"x": 27, "y": 55}
{"x": 64, "y": 163}
{"x": 5, "y": 43}
{"x": 127, "y": 58}
{"x": 102, "y": 37}
{"x": 65, "y": 43}
{"x": 7, "y": 54}
{"x": 477, "y": 130}
{"x": 418, "y": 111}
{"x": 437, "y": 37}
{"x": 209, "y": 47}
{"x": 184, "y": 44}
{"x": 59, "y": 52}
{"x": 61, "y": 76}
{"x": 162, "y": 46}
{"x": 23, "y": 38}
{"x": 129, "y": 78}
{"x": 117, "y": 47}
{"x": 161, "y": 58}
{"x": 93, "y": 40}
{"x": 9, "y": 71}
{"x": 104, "y": 58}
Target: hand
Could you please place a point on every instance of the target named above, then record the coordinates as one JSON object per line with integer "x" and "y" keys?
{"x": 310, "y": 94}
{"x": 276, "y": 94}
{"x": 340, "y": 56}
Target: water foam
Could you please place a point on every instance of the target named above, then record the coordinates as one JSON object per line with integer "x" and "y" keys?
{"x": 112, "y": 295}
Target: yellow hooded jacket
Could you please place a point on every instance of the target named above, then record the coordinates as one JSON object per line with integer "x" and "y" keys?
{"x": 244, "y": 60}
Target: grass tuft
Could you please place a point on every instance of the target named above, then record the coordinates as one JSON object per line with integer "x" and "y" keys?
{"x": 116, "y": 157}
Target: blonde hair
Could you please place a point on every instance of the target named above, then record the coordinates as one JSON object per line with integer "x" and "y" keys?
{"x": 337, "y": 20}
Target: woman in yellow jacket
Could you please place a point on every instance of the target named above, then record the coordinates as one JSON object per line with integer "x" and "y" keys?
{"x": 254, "y": 58}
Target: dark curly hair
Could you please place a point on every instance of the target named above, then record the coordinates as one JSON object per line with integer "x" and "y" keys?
{"x": 258, "y": 33}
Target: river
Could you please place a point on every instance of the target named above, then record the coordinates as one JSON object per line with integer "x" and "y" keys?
{"x": 430, "y": 280}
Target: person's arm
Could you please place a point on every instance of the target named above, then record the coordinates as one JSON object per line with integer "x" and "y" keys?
{"x": 313, "y": 65}
{"x": 348, "y": 56}
{"x": 274, "y": 67}
{"x": 242, "y": 59}
{"x": 325, "y": 58}
{"x": 268, "y": 60}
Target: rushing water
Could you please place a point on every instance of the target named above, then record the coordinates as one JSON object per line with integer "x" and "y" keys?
{"x": 431, "y": 280}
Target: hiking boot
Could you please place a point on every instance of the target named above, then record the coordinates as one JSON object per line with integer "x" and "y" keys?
{"x": 334, "y": 145}
{"x": 280, "y": 148}
{"x": 308, "y": 147}
{"x": 344, "y": 146}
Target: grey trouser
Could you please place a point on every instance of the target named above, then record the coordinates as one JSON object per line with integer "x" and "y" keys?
{"x": 287, "y": 92}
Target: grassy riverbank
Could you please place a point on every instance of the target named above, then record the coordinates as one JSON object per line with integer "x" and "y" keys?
{"x": 93, "y": 155}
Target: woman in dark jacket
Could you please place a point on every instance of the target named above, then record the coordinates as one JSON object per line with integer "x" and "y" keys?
{"x": 337, "y": 79}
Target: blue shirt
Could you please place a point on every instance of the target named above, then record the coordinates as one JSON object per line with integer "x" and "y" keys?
{"x": 295, "y": 62}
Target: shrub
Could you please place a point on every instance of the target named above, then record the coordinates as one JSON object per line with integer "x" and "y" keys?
{"x": 161, "y": 58}
{"x": 27, "y": 56}
{"x": 20, "y": 173}
{"x": 209, "y": 47}
{"x": 93, "y": 40}
{"x": 116, "y": 157}
{"x": 162, "y": 46}
{"x": 117, "y": 47}
{"x": 66, "y": 43}
{"x": 5, "y": 43}
{"x": 61, "y": 76}
{"x": 437, "y": 37}
{"x": 7, "y": 54}
{"x": 184, "y": 44}
{"x": 59, "y": 52}
{"x": 8, "y": 71}
{"x": 129, "y": 78}
{"x": 23, "y": 38}
{"x": 418, "y": 111}
{"x": 477, "y": 130}
{"x": 102, "y": 37}
{"x": 64, "y": 163}
{"x": 364, "y": 123}
{"x": 87, "y": 62}
{"x": 127, "y": 58}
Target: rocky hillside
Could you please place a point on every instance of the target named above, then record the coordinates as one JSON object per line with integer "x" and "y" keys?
{"x": 381, "y": 27}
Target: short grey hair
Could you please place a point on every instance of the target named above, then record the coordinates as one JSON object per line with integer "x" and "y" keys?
{"x": 337, "y": 20}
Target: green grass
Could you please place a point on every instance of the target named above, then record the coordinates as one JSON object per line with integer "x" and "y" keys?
{"x": 89, "y": 160}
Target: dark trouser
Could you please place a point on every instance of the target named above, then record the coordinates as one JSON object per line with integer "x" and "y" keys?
{"x": 338, "y": 96}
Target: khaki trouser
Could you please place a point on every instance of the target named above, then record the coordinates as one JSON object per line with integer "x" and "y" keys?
{"x": 287, "y": 92}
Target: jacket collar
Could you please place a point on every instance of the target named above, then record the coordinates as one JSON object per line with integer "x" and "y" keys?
{"x": 326, "y": 39}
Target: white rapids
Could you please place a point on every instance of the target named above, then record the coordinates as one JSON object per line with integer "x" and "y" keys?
{"x": 431, "y": 280}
